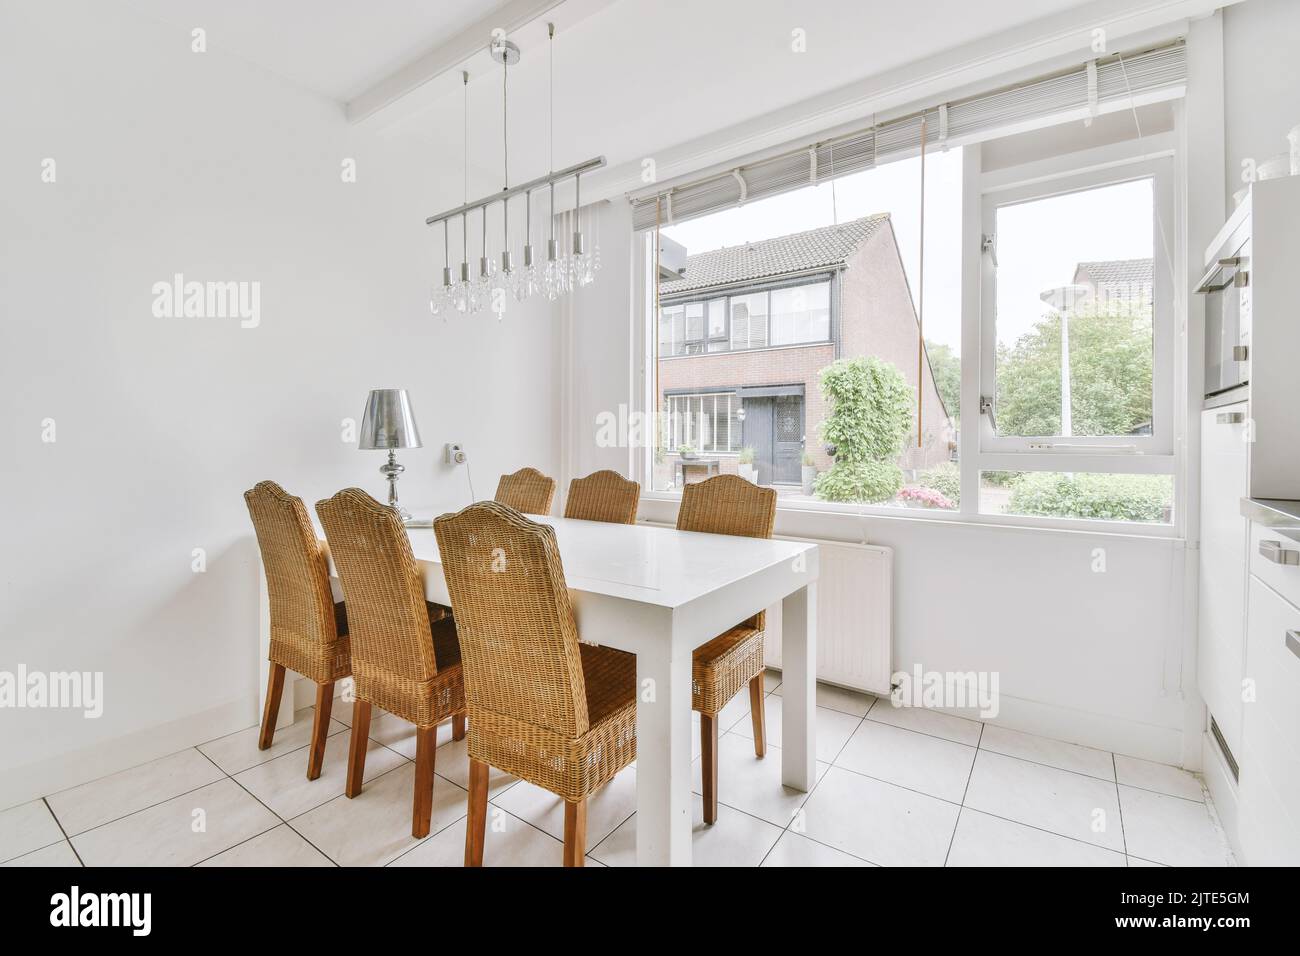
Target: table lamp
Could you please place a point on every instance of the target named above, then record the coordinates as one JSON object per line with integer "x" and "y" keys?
{"x": 389, "y": 424}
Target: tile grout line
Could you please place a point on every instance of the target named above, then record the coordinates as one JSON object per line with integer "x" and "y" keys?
{"x": 58, "y": 823}
{"x": 282, "y": 820}
{"x": 922, "y": 793}
{"x": 1119, "y": 807}
{"x": 421, "y": 842}
{"x": 132, "y": 813}
{"x": 965, "y": 790}
{"x": 344, "y": 796}
{"x": 817, "y": 780}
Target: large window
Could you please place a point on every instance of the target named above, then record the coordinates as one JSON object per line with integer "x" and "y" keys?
{"x": 1053, "y": 269}
{"x": 794, "y": 315}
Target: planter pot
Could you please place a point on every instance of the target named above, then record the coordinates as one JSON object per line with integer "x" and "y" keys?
{"x": 809, "y": 476}
{"x": 748, "y": 472}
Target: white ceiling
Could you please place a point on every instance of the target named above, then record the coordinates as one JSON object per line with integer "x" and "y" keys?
{"x": 335, "y": 47}
{"x": 632, "y": 77}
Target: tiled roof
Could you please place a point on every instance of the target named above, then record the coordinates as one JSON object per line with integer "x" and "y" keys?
{"x": 1116, "y": 273}
{"x": 799, "y": 252}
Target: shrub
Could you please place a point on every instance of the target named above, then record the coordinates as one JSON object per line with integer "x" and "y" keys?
{"x": 746, "y": 456}
{"x": 1096, "y": 496}
{"x": 1001, "y": 479}
{"x": 944, "y": 478}
{"x": 866, "y": 481}
{"x": 870, "y": 416}
{"x": 872, "y": 409}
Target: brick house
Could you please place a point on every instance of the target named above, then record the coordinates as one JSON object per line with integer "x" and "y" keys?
{"x": 745, "y": 331}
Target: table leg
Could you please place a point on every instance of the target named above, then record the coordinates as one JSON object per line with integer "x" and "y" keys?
{"x": 798, "y": 688}
{"x": 284, "y": 717}
{"x": 663, "y": 757}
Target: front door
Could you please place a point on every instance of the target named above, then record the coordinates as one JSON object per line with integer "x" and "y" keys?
{"x": 758, "y": 435}
{"x": 774, "y": 429}
{"x": 787, "y": 440}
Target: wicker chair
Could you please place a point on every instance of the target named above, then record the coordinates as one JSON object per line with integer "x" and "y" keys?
{"x": 603, "y": 496}
{"x": 727, "y": 504}
{"x": 527, "y": 490}
{"x": 405, "y": 657}
{"x": 309, "y": 632}
{"x": 542, "y": 706}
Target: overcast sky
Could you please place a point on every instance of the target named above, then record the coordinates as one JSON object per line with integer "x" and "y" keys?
{"x": 1039, "y": 243}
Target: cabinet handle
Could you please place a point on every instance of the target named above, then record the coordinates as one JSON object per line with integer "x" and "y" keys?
{"x": 1230, "y": 418}
{"x": 1273, "y": 551}
{"x": 1240, "y": 353}
{"x": 1293, "y": 642}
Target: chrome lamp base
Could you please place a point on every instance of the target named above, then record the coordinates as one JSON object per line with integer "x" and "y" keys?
{"x": 392, "y": 471}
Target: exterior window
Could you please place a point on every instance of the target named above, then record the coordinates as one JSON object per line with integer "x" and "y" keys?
{"x": 1077, "y": 349}
{"x": 749, "y": 321}
{"x": 694, "y": 344}
{"x": 707, "y": 424}
{"x": 801, "y": 314}
{"x": 672, "y": 330}
{"x": 717, "y": 325}
{"x": 1072, "y": 314}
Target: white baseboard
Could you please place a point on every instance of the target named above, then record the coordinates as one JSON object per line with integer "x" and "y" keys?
{"x": 45, "y": 777}
{"x": 1102, "y": 731}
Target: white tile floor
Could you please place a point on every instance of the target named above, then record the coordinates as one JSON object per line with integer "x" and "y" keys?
{"x": 894, "y": 788}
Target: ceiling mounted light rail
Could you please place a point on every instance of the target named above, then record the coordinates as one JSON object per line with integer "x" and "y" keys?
{"x": 564, "y": 270}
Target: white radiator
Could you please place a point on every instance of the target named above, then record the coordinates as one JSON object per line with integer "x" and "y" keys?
{"x": 854, "y": 616}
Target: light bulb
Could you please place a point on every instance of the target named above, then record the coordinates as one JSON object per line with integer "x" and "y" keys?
{"x": 526, "y": 283}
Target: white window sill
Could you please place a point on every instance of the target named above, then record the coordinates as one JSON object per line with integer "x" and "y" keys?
{"x": 1126, "y": 529}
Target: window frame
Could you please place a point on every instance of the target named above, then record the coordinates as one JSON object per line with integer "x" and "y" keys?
{"x": 1064, "y": 448}
{"x": 972, "y": 459}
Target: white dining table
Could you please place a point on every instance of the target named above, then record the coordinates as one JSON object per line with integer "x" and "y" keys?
{"x": 660, "y": 593}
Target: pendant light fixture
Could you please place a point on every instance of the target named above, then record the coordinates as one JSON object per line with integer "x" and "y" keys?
{"x": 563, "y": 270}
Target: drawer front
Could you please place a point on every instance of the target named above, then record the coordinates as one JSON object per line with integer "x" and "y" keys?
{"x": 1272, "y": 720}
{"x": 1269, "y": 834}
{"x": 1270, "y": 554}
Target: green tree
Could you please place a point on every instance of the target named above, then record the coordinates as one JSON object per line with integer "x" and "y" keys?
{"x": 946, "y": 365}
{"x": 871, "y": 413}
{"x": 1110, "y": 375}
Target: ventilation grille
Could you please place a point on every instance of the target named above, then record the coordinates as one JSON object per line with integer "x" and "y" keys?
{"x": 1223, "y": 749}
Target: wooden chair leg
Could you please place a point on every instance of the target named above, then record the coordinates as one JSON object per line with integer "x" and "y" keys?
{"x": 756, "y": 710}
{"x": 709, "y": 765}
{"x": 575, "y": 833}
{"x": 426, "y": 742}
{"x": 320, "y": 728}
{"x": 357, "y": 747}
{"x": 458, "y": 727}
{"x": 274, "y": 688}
{"x": 476, "y": 824}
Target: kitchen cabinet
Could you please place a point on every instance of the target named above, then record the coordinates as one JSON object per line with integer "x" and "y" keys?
{"x": 1224, "y": 537}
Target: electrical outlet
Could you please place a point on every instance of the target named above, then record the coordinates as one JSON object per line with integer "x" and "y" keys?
{"x": 455, "y": 454}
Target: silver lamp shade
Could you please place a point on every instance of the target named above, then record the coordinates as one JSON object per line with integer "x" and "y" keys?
{"x": 389, "y": 424}
{"x": 389, "y": 421}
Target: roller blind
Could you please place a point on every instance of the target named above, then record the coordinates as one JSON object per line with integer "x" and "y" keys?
{"x": 1100, "y": 86}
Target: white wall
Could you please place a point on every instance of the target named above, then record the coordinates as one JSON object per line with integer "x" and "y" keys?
{"x": 1261, "y": 93}
{"x": 170, "y": 161}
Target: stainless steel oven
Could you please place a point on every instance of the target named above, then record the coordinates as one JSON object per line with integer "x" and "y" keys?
{"x": 1226, "y": 287}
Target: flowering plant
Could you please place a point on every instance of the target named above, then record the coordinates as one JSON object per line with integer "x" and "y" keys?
{"x": 926, "y": 497}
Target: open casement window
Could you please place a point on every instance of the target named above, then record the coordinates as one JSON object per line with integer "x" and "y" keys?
{"x": 1077, "y": 322}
